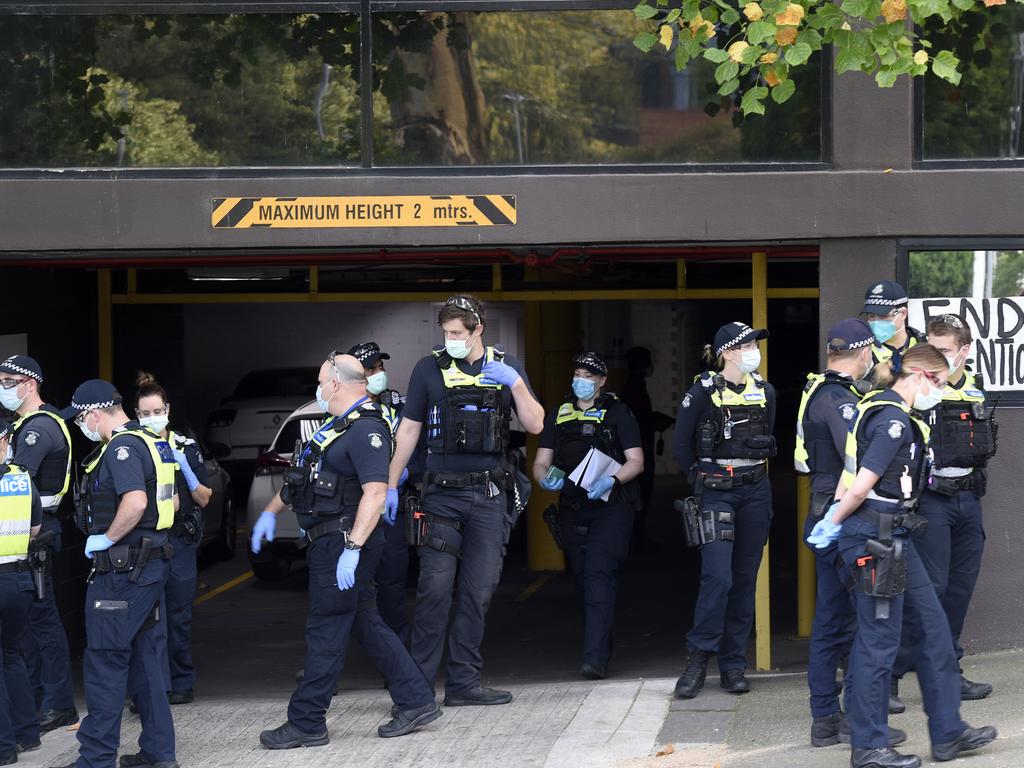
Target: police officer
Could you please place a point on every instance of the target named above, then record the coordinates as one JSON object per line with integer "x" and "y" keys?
{"x": 951, "y": 545}
{"x": 337, "y": 490}
{"x": 828, "y": 408}
{"x": 394, "y": 561}
{"x": 192, "y": 488}
{"x": 722, "y": 441}
{"x": 22, "y": 514}
{"x": 125, "y": 504}
{"x": 463, "y": 393}
{"x": 884, "y": 474}
{"x": 43, "y": 448}
{"x": 886, "y": 309}
{"x": 594, "y": 530}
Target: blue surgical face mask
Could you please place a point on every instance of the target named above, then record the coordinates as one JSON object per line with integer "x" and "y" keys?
{"x": 883, "y": 330}
{"x": 94, "y": 436}
{"x": 750, "y": 360}
{"x": 323, "y": 404}
{"x": 377, "y": 382}
{"x": 156, "y": 423}
{"x": 9, "y": 398}
{"x": 584, "y": 389}
{"x": 458, "y": 348}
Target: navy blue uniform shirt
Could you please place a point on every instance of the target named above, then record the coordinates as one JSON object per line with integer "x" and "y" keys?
{"x": 888, "y": 430}
{"x": 695, "y": 409}
{"x": 362, "y": 455}
{"x": 426, "y": 390}
{"x": 835, "y": 406}
{"x": 37, "y": 438}
{"x": 128, "y": 466}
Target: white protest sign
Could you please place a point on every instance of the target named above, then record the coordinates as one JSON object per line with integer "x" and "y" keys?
{"x": 997, "y": 326}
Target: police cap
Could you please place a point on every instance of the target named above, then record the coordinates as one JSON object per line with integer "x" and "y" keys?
{"x": 883, "y": 297}
{"x": 590, "y": 361}
{"x": 22, "y": 365}
{"x": 731, "y": 334}
{"x": 368, "y": 353}
{"x": 92, "y": 394}
{"x": 851, "y": 333}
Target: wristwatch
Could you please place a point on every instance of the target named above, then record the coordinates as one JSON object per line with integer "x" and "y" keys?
{"x": 349, "y": 544}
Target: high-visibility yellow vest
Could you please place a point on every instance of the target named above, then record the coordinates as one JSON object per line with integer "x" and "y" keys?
{"x": 15, "y": 513}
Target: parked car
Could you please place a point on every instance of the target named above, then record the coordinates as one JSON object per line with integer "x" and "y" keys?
{"x": 276, "y": 557}
{"x": 247, "y": 421}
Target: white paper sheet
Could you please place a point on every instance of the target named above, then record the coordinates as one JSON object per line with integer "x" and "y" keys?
{"x": 595, "y": 465}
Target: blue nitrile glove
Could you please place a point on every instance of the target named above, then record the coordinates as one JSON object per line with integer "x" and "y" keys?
{"x": 502, "y": 373}
{"x": 404, "y": 478}
{"x": 390, "y": 506}
{"x": 600, "y": 487}
{"x": 97, "y": 543}
{"x": 824, "y": 533}
{"x": 186, "y": 470}
{"x": 552, "y": 484}
{"x": 264, "y": 528}
{"x": 346, "y": 571}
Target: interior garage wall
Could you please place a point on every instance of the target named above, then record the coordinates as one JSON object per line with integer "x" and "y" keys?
{"x": 228, "y": 340}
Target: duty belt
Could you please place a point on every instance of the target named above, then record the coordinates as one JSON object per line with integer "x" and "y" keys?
{"x": 341, "y": 525}
{"x": 125, "y": 558}
{"x": 948, "y": 486}
{"x": 734, "y": 479}
{"x": 463, "y": 479}
{"x": 909, "y": 520}
{"x": 18, "y": 566}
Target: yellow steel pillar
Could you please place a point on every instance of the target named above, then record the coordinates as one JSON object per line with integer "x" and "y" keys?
{"x": 805, "y": 578}
{"x": 763, "y": 618}
{"x": 105, "y": 326}
{"x": 541, "y": 552}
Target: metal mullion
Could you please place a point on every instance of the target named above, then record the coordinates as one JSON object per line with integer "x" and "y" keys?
{"x": 366, "y": 83}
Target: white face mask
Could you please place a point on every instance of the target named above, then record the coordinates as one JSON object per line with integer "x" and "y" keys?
{"x": 156, "y": 423}
{"x": 927, "y": 402}
{"x": 378, "y": 382}
{"x": 94, "y": 436}
{"x": 750, "y": 360}
{"x": 459, "y": 348}
{"x": 9, "y": 398}
{"x": 955, "y": 361}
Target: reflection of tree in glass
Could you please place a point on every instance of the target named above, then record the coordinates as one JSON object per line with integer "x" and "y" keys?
{"x": 941, "y": 273}
{"x": 972, "y": 119}
{"x": 1008, "y": 279}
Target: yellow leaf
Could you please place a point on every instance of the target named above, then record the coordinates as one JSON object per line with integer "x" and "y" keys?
{"x": 753, "y": 12}
{"x": 665, "y": 35}
{"x": 736, "y": 50}
{"x": 921, "y": 57}
{"x": 668, "y": 750}
{"x": 846, "y": 26}
{"x": 769, "y": 58}
{"x": 700, "y": 23}
{"x": 791, "y": 16}
{"x": 894, "y": 10}
{"x": 771, "y": 78}
{"x": 786, "y": 36}
{"x": 990, "y": 3}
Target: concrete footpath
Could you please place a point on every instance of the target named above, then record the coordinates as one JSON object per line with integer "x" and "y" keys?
{"x": 614, "y": 723}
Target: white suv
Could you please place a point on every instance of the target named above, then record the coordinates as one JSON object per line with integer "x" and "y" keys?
{"x": 275, "y": 557}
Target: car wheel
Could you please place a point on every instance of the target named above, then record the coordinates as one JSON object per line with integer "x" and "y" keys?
{"x": 224, "y": 547}
{"x": 272, "y": 570}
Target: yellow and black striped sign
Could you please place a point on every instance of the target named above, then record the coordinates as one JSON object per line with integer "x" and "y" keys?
{"x": 389, "y": 211}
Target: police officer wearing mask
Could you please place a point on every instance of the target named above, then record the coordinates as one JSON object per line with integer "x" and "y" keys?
{"x": 337, "y": 491}
{"x": 886, "y": 467}
{"x": 886, "y": 309}
{"x": 125, "y": 504}
{"x": 191, "y": 485}
{"x": 828, "y": 409}
{"x": 394, "y": 562}
{"x": 722, "y": 441}
{"x": 43, "y": 447}
{"x": 595, "y": 523}
{"x": 951, "y": 545}
{"x": 22, "y": 515}
{"x": 463, "y": 395}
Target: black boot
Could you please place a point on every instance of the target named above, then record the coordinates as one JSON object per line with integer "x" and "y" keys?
{"x": 51, "y": 719}
{"x": 593, "y": 671}
{"x": 287, "y": 736}
{"x": 896, "y": 705}
{"x": 971, "y": 738}
{"x": 896, "y": 736}
{"x": 973, "y": 691}
{"x": 886, "y": 757}
{"x": 734, "y": 681}
{"x": 825, "y": 730}
{"x": 692, "y": 679}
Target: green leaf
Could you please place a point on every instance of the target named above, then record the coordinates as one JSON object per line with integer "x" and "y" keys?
{"x": 811, "y": 37}
{"x": 751, "y": 55}
{"x": 922, "y": 9}
{"x": 645, "y": 11}
{"x": 729, "y": 87}
{"x": 848, "y": 60}
{"x": 717, "y": 55}
{"x": 759, "y": 31}
{"x": 682, "y": 57}
{"x": 827, "y": 17}
{"x": 690, "y": 9}
{"x": 753, "y": 101}
{"x": 886, "y": 78}
{"x": 945, "y": 65}
{"x": 672, "y": 16}
{"x": 645, "y": 41}
{"x": 855, "y": 7}
{"x": 963, "y": 5}
{"x": 798, "y": 54}
{"x": 782, "y": 91}
{"x": 693, "y": 45}
{"x": 730, "y": 16}
{"x": 726, "y": 71}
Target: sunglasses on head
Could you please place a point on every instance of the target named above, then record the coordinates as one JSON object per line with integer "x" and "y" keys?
{"x": 464, "y": 304}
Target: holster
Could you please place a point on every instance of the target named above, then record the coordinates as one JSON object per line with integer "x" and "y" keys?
{"x": 883, "y": 568}
{"x": 413, "y": 520}
{"x": 700, "y": 524}
{"x": 126, "y": 559}
{"x": 550, "y": 516}
{"x": 40, "y": 560}
{"x": 442, "y": 534}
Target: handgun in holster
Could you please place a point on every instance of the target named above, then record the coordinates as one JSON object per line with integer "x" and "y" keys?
{"x": 883, "y": 573}
{"x": 415, "y": 520}
{"x": 550, "y": 516}
{"x": 40, "y": 560}
{"x": 144, "y": 549}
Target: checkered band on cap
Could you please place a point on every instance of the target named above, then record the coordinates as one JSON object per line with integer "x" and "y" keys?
{"x": 368, "y": 351}
{"x": 10, "y": 365}
{"x": 93, "y": 406}
{"x": 886, "y": 302}
{"x": 747, "y": 330}
{"x": 591, "y": 362}
{"x": 840, "y": 345}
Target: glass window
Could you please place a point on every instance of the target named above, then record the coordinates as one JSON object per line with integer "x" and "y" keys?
{"x": 978, "y": 274}
{"x": 981, "y": 117}
{"x": 560, "y": 87}
{"x": 183, "y": 90}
